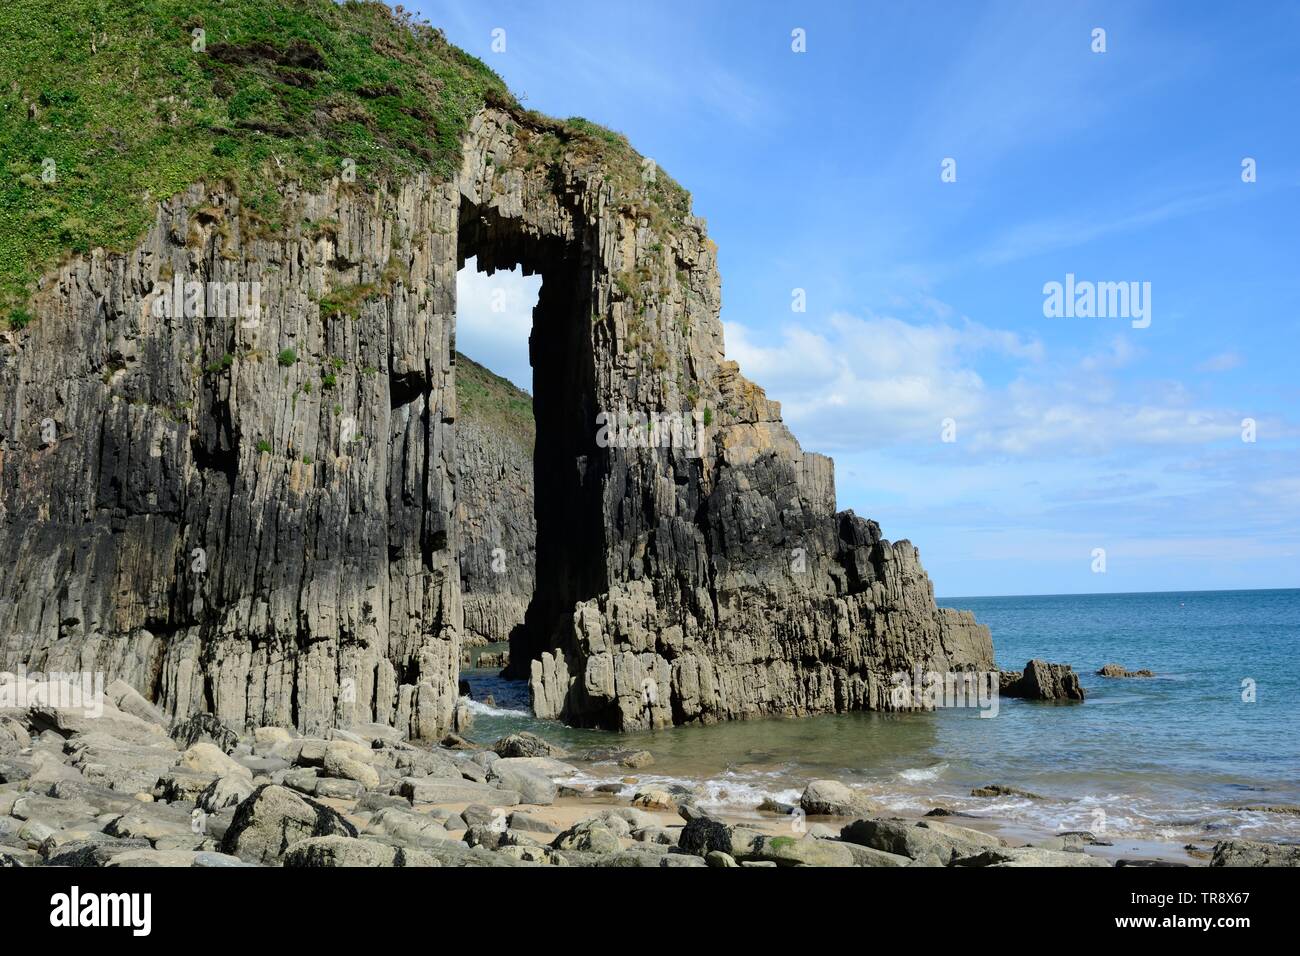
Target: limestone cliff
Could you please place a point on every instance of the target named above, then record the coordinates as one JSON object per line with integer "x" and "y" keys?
{"x": 494, "y": 502}
{"x": 262, "y": 517}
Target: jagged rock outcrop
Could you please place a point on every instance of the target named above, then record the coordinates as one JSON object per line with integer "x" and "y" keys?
{"x": 494, "y": 503}
{"x": 708, "y": 576}
{"x": 257, "y": 517}
{"x": 1119, "y": 670}
{"x": 1042, "y": 681}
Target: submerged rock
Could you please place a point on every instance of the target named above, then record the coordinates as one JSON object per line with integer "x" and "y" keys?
{"x": 637, "y": 759}
{"x": 999, "y": 790}
{"x": 525, "y": 744}
{"x": 1118, "y": 670}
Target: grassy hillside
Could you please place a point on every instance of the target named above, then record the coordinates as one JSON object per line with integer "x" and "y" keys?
{"x": 492, "y": 400}
{"x": 107, "y": 106}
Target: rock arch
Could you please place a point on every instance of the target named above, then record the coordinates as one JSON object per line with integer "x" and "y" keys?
{"x": 310, "y": 455}
{"x": 718, "y": 580}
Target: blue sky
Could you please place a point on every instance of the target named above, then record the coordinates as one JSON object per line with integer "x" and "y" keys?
{"x": 821, "y": 171}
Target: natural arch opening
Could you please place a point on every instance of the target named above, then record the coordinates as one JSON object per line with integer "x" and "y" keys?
{"x": 495, "y": 437}
{"x": 568, "y": 546}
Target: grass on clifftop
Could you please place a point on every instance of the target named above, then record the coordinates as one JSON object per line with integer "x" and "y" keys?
{"x": 108, "y": 106}
{"x": 492, "y": 400}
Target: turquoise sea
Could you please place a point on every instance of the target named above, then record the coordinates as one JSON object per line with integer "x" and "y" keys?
{"x": 1174, "y": 757}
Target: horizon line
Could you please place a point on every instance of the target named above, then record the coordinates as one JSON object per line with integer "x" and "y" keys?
{"x": 962, "y": 597}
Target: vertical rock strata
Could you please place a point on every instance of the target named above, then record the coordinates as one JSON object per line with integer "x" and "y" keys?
{"x": 495, "y": 515}
{"x": 260, "y": 519}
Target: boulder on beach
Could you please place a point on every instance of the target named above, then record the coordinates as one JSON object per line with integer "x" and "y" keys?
{"x": 1042, "y": 681}
{"x": 592, "y": 835}
{"x": 336, "y": 851}
{"x": 924, "y": 845}
{"x": 1031, "y": 856}
{"x": 532, "y": 785}
{"x": 130, "y": 701}
{"x": 1253, "y": 853}
{"x": 432, "y": 790}
{"x": 198, "y": 728}
{"x": 652, "y": 798}
{"x": 830, "y": 798}
{"x": 273, "y": 818}
{"x": 208, "y": 758}
{"x": 227, "y": 791}
{"x": 704, "y": 835}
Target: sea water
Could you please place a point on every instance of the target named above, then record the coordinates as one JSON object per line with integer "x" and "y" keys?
{"x": 1174, "y": 757}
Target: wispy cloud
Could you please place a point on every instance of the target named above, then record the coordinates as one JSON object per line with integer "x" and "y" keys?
{"x": 1223, "y": 362}
{"x": 1036, "y": 238}
{"x": 850, "y": 382}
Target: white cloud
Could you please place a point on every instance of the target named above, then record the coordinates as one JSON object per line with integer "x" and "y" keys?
{"x": 494, "y": 316}
{"x": 869, "y": 380}
{"x": 863, "y": 383}
{"x": 1121, "y": 352}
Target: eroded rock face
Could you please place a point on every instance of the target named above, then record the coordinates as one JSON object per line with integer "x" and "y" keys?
{"x": 246, "y": 515}
{"x": 1253, "y": 853}
{"x": 273, "y": 818}
{"x": 497, "y": 526}
{"x": 256, "y": 516}
{"x": 1042, "y": 681}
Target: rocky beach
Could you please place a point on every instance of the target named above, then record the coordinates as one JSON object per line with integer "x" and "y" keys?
{"x": 123, "y": 786}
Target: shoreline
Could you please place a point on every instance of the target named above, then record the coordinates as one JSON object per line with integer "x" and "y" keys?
{"x": 570, "y": 810}
{"x": 730, "y": 781}
{"x": 128, "y": 787}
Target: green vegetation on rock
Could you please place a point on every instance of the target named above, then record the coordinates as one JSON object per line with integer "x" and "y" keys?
{"x": 494, "y": 401}
{"x": 108, "y": 107}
